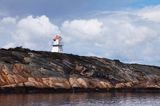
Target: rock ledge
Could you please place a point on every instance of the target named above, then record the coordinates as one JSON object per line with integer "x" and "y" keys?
{"x": 25, "y": 70}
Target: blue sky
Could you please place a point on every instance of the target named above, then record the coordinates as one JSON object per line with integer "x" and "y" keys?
{"x": 117, "y": 29}
{"x": 69, "y": 8}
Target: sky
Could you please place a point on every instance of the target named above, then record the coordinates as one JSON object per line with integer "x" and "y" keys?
{"x": 127, "y": 30}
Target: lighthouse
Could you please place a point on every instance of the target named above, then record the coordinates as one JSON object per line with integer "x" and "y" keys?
{"x": 57, "y": 44}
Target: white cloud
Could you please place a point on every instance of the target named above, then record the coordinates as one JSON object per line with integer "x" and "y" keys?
{"x": 9, "y": 45}
{"x": 30, "y": 32}
{"x": 131, "y": 36}
{"x": 84, "y": 29}
{"x": 39, "y": 26}
{"x": 8, "y": 20}
{"x": 151, "y": 13}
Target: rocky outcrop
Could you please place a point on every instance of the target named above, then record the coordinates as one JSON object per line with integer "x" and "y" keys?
{"x": 25, "y": 68}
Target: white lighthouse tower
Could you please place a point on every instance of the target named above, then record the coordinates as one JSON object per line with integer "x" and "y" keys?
{"x": 57, "y": 44}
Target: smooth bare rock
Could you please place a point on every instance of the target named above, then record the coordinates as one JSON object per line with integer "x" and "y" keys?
{"x": 26, "y": 68}
{"x": 74, "y": 83}
{"x": 82, "y": 82}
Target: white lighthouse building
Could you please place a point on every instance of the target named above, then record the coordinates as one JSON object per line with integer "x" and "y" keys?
{"x": 57, "y": 44}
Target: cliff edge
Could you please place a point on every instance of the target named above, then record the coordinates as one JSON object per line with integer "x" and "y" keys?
{"x": 24, "y": 68}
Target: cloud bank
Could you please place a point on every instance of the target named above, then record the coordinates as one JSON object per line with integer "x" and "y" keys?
{"x": 29, "y": 32}
{"x": 131, "y": 36}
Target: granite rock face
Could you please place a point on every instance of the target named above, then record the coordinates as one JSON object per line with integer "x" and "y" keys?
{"x": 26, "y": 68}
